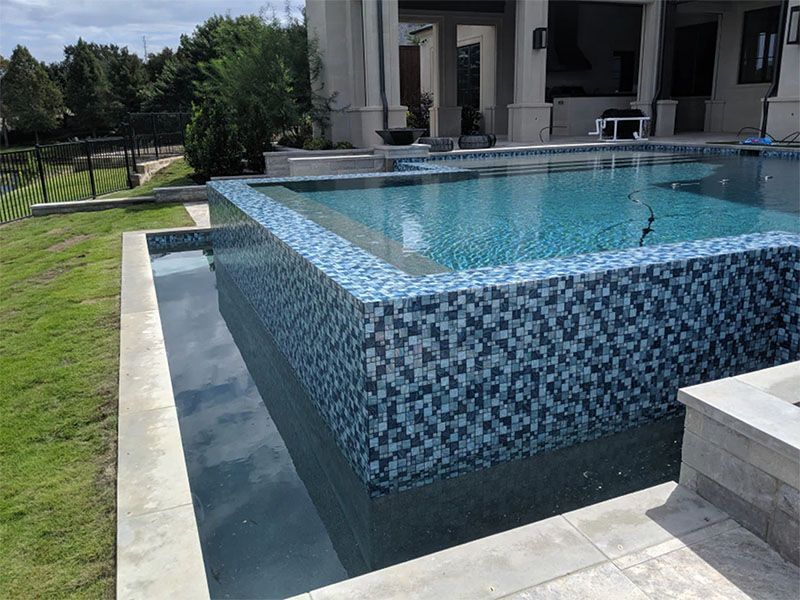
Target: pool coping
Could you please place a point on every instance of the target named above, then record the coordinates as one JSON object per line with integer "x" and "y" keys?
{"x": 372, "y": 280}
{"x": 158, "y": 543}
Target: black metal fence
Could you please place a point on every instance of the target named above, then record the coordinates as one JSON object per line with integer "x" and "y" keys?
{"x": 86, "y": 169}
{"x": 157, "y": 135}
{"x": 62, "y": 173}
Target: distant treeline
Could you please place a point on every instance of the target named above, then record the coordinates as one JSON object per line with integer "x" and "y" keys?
{"x": 245, "y": 79}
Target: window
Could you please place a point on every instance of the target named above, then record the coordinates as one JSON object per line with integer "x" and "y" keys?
{"x": 759, "y": 45}
{"x": 469, "y": 76}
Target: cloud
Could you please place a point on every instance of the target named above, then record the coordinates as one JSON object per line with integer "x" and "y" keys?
{"x": 46, "y": 26}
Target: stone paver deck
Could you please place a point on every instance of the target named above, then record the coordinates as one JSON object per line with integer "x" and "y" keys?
{"x": 662, "y": 542}
{"x": 199, "y": 213}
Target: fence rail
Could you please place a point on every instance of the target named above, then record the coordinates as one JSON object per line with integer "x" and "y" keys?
{"x": 62, "y": 173}
{"x": 86, "y": 169}
{"x": 157, "y": 135}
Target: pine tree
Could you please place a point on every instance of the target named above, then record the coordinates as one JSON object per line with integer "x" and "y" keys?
{"x": 88, "y": 92}
{"x": 31, "y": 101}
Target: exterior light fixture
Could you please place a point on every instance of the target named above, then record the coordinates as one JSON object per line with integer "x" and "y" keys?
{"x": 540, "y": 38}
{"x": 793, "y": 28}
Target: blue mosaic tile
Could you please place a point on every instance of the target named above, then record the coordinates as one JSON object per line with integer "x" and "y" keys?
{"x": 173, "y": 241}
{"x": 423, "y": 378}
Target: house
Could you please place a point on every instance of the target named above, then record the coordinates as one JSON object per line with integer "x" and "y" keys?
{"x": 538, "y": 69}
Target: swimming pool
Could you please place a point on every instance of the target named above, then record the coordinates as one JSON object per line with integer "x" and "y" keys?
{"x": 519, "y": 210}
{"x": 278, "y": 509}
{"x": 426, "y": 368}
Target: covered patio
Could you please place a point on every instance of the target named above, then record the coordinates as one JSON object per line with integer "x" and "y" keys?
{"x": 548, "y": 68}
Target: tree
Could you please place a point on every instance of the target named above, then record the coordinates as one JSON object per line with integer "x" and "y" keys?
{"x": 254, "y": 82}
{"x": 156, "y": 62}
{"x": 31, "y": 101}
{"x": 127, "y": 77}
{"x": 3, "y": 115}
{"x": 262, "y": 79}
{"x": 87, "y": 89}
{"x": 212, "y": 141}
{"x": 178, "y": 83}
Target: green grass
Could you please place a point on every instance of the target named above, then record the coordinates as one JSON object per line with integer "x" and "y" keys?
{"x": 178, "y": 173}
{"x": 59, "y": 351}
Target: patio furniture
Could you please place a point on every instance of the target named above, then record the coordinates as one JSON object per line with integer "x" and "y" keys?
{"x": 438, "y": 144}
{"x": 608, "y": 127}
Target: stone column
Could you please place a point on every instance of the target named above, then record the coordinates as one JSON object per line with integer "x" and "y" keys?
{"x": 367, "y": 115}
{"x": 783, "y": 117}
{"x": 529, "y": 113}
{"x": 648, "y": 57}
{"x": 445, "y": 112}
{"x": 665, "y": 120}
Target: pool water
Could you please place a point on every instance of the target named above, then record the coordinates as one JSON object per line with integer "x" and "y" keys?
{"x": 279, "y": 511}
{"x": 527, "y": 209}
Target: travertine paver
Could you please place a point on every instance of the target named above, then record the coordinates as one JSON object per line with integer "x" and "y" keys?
{"x": 199, "y": 213}
{"x": 732, "y": 565}
{"x": 666, "y": 542}
{"x": 595, "y": 583}
{"x": 643, "y": 519}
{"x": 490, "y": 567}
{"x": 780, "y": 381}
{"x": 158, "y": 547}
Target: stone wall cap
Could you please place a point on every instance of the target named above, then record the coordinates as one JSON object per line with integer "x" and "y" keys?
{"x": 749, "y": 410}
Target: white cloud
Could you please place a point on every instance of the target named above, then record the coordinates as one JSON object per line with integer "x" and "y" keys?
{"x": 45, "y": 26}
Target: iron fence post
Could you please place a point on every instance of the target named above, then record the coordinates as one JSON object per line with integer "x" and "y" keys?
{"x": 127, "y": 164}
{"x": 134, "y": 146}
{"x": 155, "y": 135}
{"x": 88, "y": 145}
{"x": 40, "y": 167}
{"x": 183, "y": 129}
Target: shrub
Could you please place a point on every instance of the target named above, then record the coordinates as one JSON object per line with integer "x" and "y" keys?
{"x": 419, "y": 113}
{"x": 470, "y": 120}
{"x": 212, "y": 142}
{"x": 343, "y": 145}
{"x": 317, "y": 143}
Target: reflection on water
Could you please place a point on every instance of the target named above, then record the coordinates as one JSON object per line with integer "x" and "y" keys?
{"x": 279, "y": 510}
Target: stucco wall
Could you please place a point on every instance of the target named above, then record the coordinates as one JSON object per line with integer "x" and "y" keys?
{"x": 742, "y": 101}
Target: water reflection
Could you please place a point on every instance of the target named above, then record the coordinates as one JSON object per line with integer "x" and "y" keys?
{"x": 279, "y": 509}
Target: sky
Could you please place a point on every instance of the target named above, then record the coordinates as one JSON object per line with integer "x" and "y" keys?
{"x": 46, "y": 26}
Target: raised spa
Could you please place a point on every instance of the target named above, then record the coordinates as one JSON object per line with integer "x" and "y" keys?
{"x": 448, "y": 319}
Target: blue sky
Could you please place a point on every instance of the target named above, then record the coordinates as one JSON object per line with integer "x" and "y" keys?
{"x": 46, "y": 26}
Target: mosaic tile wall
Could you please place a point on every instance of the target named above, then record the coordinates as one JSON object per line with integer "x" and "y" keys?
{"x": 466, "y": 380}
{"x": 317, "y": 325}
{"x": 175, "y": 241}
{"x": 788, "y": 334}
{"x": 422, "y": 378}
{"x": 730, "y": 150}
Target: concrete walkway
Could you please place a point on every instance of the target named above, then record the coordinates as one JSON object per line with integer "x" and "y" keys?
{"x": 663, "y": 542}
{"x": 199, "y": 213}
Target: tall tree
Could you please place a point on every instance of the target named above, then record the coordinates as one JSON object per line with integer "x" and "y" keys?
{"x": 31, "y": 101}
{"x": 128, "y": 77}
{"x": 177, "y": 86}
{"x": 87, "y": 89}
{"x": 155, "y": 62}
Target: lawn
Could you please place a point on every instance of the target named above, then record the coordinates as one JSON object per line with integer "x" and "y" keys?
{"x": 177, "y": 173}
{"x": 59, "y": 343}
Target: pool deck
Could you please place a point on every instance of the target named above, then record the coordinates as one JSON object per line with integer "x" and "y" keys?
{"x": 662, "y": 542}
